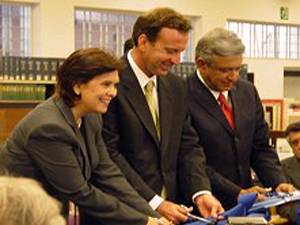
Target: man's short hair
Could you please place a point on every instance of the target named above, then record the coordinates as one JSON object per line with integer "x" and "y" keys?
{"x": 155, "y": 20}
{"x": 293, "y": 127}
{"x": 218, "y": 41}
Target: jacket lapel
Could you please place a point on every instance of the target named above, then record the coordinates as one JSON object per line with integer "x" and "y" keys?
{"x": 66, "y": 112}
{"x": 134, "y": 94}
{"x": 203, "y": 97}
{"x": 235, "y": 101}
{"x": 165, "y": 110}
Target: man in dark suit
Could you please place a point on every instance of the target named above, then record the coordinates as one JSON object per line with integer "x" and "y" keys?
{"x": 153, "y": 141}
{"x": 291, "y": 165}
{"x": 291, "y": 170}
{"x": 232, "y": 146}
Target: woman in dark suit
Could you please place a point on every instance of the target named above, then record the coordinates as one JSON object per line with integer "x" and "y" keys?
{"x": 59, "y": 143}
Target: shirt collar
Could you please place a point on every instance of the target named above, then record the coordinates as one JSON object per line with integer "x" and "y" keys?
{"x": 214, "y": 93}
{"x": 143, "y": 79}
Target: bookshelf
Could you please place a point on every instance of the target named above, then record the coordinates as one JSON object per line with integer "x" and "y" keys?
{"x": 24, "y": 83}
{"x": 10, "y": 114}
{"x": 279, "y": 113}
{"x": 273, "y": 109}
{"x": 186, "y": 69}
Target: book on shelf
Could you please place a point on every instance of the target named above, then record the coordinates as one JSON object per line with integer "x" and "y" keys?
{"x": 31, "y": 92}
{"x": 53, "y": 68}
{"x": 37, "y": 68}
{"x": 20, "y": 77}
{"x": 29, "y": 68}
{"x": 279, "y": 113}
{"x": 16, "y": 69}
{"x": 291, "y": 111}
{"x": 184, "y": 69}
{"x": 23, "y": 67}
{"x": 273, "y": 110}
{"x": 5, "y": 68}
{"x": 1, "y": 68}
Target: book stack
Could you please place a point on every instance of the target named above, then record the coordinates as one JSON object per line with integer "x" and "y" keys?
{"x": 273, "y": 109}
{"x": 29, "y": 68}
{"x": 184, "y": 69}
{"x": 22, "y": 92}
{"x": 291, "y": 111}
{"x": 27, "y": 78}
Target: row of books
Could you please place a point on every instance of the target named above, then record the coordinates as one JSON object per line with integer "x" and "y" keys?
{"x": 279, "y": 113}
{"x": 273, "y": 109}
{"x": 44, "y": 69}
{"x": 22, "y": 92}
{"x": 14, "y": 68}
{"x": 186, "y": 69}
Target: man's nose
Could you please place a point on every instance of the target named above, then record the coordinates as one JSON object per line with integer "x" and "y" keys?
{"x": 233, "y": 75}
{"x": 176, "y": 58}
{"x": 112, "y": 91}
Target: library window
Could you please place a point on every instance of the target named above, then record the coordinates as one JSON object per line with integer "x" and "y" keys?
{"x": 15, "y": 30}
{"x": 110, "y": 30}
{"x": 263, "y": 40}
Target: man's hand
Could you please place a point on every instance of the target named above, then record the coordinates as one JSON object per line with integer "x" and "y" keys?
{"x": 285, "y": 187}
{"x": 173, "y": 212}
{"x": 208, "y": 205}
{"x": 255, "y": 189}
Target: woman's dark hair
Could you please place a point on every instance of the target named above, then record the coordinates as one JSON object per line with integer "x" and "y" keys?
{"x": 80, "y": 67}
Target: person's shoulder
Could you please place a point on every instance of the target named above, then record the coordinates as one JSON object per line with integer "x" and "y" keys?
{"x": 246, "y": 88}
{"x": 288, "y": 161}
{"x": 174, "y": 78}
{"x": 41, "y": 112}
{"x": 244, "y": 83}
{"x": 174, "y": 83}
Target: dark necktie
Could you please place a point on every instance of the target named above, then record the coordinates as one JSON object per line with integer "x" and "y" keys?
{"x": 227, "y": 109}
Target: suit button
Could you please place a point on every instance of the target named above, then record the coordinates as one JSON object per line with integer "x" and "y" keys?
{"x": 236, "y": 140}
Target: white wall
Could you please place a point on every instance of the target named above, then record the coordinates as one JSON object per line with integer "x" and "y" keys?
{"x": 291, "y": 87}
{"x": 55, "y": 31}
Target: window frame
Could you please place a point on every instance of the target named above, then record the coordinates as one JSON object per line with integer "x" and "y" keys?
{"x": 15, "y": 32}
{"x": 187, "y": 55}
{"x": 281, "y": 40}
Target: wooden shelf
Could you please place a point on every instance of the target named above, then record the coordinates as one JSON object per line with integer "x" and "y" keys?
{"x": 9, "y": 117}
{"x": 15, "y": 102}
{"x": 27, "y": 82}
{"x": 274, "y": 134}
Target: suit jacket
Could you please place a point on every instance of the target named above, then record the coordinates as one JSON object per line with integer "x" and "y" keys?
{"x": 231, "y": 153}
{"x": 176, "y": 161}
{"x": 291, "y": 169}
{"x": 73, "y": 164}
